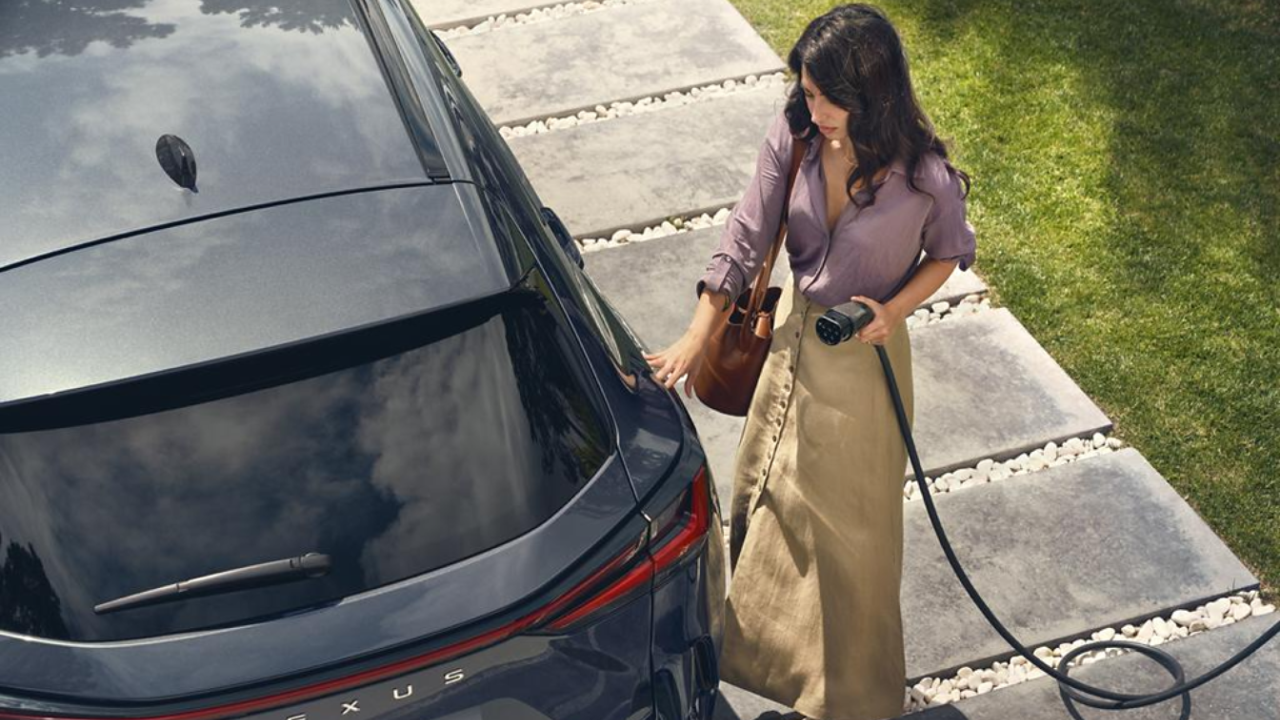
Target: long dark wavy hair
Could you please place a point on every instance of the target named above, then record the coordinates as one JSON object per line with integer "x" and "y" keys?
{"x": 855, "y": 57}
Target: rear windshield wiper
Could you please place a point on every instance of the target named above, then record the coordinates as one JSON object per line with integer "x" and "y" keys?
{"x": 311, "y": 565}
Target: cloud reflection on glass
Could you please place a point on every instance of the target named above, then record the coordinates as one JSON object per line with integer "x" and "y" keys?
{"x": 393, "y": 468}
{"x": 275, "y": 105}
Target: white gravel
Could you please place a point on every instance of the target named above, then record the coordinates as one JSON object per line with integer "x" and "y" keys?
{"x": 968, "y": 682}
{"x": 670, "y": 226}
{"x": 651, "y": 103}
{"x": 939, "y": 311}
{"x": 553, "y": 12}
{"x": 988, "y": 470}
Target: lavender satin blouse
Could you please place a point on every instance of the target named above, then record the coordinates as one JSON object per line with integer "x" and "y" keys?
{"x": 872, "y": 251}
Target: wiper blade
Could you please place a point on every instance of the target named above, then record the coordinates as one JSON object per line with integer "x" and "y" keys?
{"x": 311, "y": 565}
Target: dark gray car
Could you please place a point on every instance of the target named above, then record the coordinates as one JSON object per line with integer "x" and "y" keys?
{"x": 307, "y": 409}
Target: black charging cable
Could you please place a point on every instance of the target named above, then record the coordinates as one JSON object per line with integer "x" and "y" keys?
{"x": 841, "y": 323}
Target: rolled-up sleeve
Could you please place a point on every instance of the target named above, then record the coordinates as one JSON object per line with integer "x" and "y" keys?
{"x": 753, "y": 224}
{"x": 947, "y": 234}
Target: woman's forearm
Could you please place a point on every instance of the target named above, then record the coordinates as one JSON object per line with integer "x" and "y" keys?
{"x": 924, "y": 282}
{"x": 708, "y": 314}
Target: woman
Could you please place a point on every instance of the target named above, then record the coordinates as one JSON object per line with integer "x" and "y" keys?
{"x": 813, "y": 616}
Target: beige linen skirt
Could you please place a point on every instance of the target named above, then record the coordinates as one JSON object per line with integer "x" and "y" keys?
{"x": 813, "y": 618}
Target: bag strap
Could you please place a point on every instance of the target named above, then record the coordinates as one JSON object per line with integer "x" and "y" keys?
{"x": 761, "y": 285}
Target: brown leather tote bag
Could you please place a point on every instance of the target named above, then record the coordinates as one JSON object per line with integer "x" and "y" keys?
{"x": 738, "y": 347}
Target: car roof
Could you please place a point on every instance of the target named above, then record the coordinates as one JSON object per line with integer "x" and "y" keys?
{"x": 276, "y": 101}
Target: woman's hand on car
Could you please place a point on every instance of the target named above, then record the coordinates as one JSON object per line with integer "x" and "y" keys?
{"x": 879, "y": 329}
{"x": 683, "y": 357}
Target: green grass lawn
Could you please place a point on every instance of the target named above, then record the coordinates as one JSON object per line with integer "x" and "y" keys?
{"x": 1125, "y": 159}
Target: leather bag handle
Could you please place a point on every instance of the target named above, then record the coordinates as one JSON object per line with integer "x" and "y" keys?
{"x": 761, "y": 285}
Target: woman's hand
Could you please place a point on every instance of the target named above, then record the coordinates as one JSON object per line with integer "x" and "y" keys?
{"x": 685, "y": 356}
{"x": 886, "y": 319}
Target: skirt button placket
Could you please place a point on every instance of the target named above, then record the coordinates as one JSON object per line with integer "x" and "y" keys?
{"x": 784, "y": 404}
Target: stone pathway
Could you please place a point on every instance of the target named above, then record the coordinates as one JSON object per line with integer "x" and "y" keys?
{"x": 639, "y": 122}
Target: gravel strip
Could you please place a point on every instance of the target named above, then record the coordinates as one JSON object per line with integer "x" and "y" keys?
{"x": 649, "y": 103}
{"x": 670, "y": 226}
{"x": 967, "y": 682}
{"x": 942, "y": 310}
{"x": 554, "y": 12}
{"x": 989, "y": 470}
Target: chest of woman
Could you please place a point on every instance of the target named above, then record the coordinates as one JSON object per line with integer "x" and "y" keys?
{"x": 882, "y": 239}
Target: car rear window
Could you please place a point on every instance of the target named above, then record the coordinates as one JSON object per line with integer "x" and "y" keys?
{"x": 395, "y": 450}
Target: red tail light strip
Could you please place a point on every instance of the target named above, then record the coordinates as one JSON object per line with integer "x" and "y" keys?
{"x": 569, "y": 598}
{"x": 694, "y": 528}
{"x": 629, "y": 582}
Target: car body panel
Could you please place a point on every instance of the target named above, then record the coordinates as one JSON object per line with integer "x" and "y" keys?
{"x": 598, "y": 675}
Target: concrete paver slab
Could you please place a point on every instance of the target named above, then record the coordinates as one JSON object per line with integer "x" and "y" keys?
{"x": 1056, "y": 554}
{"x": 1249, "y": 690}
{"x": 529, "y": 72}
{"x": 638, "y": 170}
{"x": 985, "y": 388}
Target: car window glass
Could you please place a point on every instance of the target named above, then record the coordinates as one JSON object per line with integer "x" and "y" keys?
{"x": 395, "y": 450}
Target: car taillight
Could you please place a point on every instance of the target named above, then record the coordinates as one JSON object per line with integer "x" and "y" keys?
{"x": 676, "y": 532}
{"x": 680, "y": 531}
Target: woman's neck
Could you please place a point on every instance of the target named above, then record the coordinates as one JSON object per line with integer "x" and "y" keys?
{"x": 840, "y": 150}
